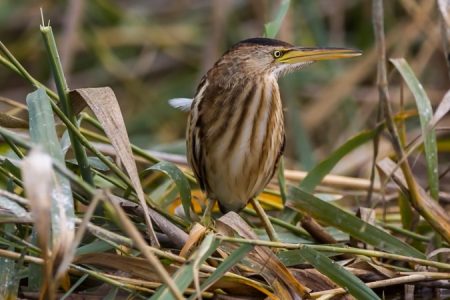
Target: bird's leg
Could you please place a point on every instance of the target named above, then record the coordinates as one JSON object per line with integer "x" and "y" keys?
{"x": 206, "y": 218}
{"x": 265, "y": 220}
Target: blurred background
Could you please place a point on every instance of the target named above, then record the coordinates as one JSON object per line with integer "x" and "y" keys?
{"x": 150, "y": 51}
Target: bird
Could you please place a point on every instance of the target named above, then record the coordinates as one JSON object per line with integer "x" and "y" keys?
{"x": 235, "y": 131}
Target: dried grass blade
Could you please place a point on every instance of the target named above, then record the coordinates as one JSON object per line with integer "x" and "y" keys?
{"x": 136, "y": 267}
{"x": 103, "y": 103}
{"x": 10, "y": 121}
{"x": 442, "y": 109}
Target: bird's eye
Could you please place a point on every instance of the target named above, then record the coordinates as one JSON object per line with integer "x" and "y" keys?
{"x": 277, "y": 53}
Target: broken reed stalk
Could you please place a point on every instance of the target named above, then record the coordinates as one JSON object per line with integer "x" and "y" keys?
{"x": 66, "y": 105}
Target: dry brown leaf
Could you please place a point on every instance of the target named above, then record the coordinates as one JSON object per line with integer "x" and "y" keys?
{"x": 103, "y": 103}
{"x": 372, "y": 267}
{"x": 195, "y": 236}
{"x": 137, "y": 267}
{"x": 316, "y": 281}
{"x": 267, "y": 263}
{"x": 177, "y": 236}
{"x": 9, "y": 121}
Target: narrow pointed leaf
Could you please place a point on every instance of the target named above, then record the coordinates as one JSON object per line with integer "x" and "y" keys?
{"x": 346, "y": 222}
{"x": 337, "y": 274}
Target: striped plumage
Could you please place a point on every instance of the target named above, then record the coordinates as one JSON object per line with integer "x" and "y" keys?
{"x": 235, "y": 131}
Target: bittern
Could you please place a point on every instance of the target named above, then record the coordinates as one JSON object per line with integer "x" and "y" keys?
{"x": 236, "y": 133}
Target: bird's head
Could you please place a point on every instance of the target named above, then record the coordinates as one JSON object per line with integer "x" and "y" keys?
{"x": 263, "y": 56}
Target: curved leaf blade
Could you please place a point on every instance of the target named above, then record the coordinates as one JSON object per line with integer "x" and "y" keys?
{"x": 43, "y": 132}
{"x": 425, "y": 115}
{"x": 180, "y": 180}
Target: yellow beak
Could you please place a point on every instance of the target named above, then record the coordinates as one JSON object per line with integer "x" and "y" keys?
{"x": 297, "y": 55}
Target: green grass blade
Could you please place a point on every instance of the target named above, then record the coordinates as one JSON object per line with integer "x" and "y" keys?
{"x": 425, "y": 115}
{"x": 180, "y": 180}
{"x": 185, "y": 275}
{"x": 291, "y": 258}
{"x": 235, "y": 257}
{"x": 74, "y": 286}
{"x": 271, "y": 29}
{"x": 97, "y": 246}
{"x": 66, "y": 105}
{"x": 316, "y": 175}
{"x": 346, "y": 222}
{"x": 42, "y": 132}
{"x": 337, "y": 274}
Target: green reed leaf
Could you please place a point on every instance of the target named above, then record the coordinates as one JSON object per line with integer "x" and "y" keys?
{"x": 180, "y": 180}
{"x": 425, "y": 115}
{"x": 346, "y": 222}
